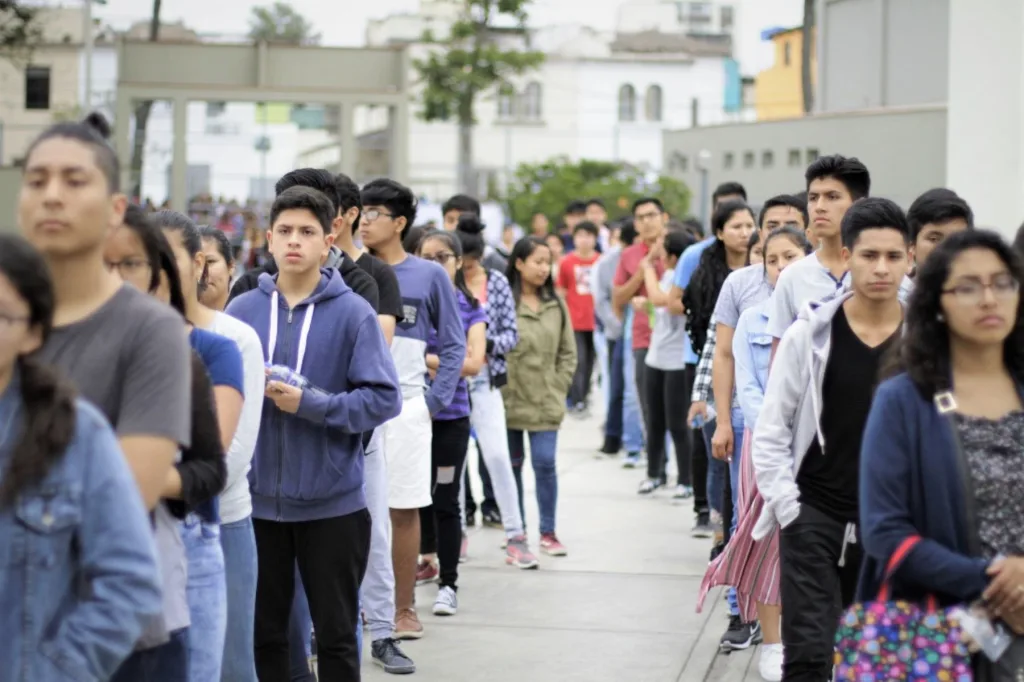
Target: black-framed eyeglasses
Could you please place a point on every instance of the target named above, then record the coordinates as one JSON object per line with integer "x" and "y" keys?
{"x": 971, "y": 292}
{"x": 373, "y": 214}
{"x": 129, "y": 266}
{"x": 441, "y": 257}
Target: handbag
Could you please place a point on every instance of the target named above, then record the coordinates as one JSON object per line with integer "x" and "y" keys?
{"x": 1010, "y": 666}
{"x": 900, "y": 640}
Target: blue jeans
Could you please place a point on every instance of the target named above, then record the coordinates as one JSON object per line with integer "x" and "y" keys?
{"x": 734, "y": 465}
{"x": 717, "y": 470}
{"x": 300, "y": 625}
{"x": 543, "y": 447}
{"x": 632, "y": 420}
{"x": 239, "y": 545}
{"x": 616, "y": 390}
{"x": 207, "y": 597}
{"x": 165, "y": 663}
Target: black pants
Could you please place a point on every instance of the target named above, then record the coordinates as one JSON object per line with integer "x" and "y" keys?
{"x": 440, "y": 523}
{"x": 640, "y": 380}
{"x": 665, "y": 390}
{"x": 699, "y": 458}
{"x": 815, "y": 590}
{"x": 331, "y": 556}
{"x": 586, "y": 355}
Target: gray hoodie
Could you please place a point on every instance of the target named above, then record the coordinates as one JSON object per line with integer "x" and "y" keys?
{"x": 791, "y": 414}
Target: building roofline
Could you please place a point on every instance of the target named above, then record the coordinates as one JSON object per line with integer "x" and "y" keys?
{"x": 877, "y": 111}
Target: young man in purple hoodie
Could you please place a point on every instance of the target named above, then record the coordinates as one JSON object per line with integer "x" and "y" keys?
{"x": 307, "y": 472}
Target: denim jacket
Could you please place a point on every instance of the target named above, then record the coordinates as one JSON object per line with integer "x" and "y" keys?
{"x": 77, "y": 558}
{"x": 752, "y": 352}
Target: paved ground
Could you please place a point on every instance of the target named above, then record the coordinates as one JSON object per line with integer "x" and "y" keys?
{"x": 620, "y": 607}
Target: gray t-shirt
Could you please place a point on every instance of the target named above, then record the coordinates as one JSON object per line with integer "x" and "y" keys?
{"x": 742, "y": 289}
{"x": 131, "y": 359}
{"x": 668, "y": 338}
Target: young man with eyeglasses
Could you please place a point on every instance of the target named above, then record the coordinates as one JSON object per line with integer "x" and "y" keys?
{"x": 429, "y": 302}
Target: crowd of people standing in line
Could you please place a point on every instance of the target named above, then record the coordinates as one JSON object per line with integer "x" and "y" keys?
{"x": 201, "y": 471}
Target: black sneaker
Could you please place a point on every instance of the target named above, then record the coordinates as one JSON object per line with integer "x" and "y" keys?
{"x": 716, "y": 550}
{"x": 389, "y": 656}
{"x": 492, "y": 518}
{"x": 470, "y": 520}
{"x": 740, "y": 635}
{"x": 612, "y": 445}
{"x": 702, "y": 528}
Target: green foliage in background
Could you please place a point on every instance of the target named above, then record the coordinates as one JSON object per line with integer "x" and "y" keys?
{"x": 549, "y": 187}
{"x": 281, "y": 23}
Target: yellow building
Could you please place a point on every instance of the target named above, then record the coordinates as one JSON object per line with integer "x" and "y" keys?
{"x": 778, "y": 90}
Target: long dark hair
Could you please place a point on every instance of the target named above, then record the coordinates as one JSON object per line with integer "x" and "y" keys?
{"x": 48, "y": 401}
{"x": 221, "y": 241}
{"x": 138, "y": 221}
{"x": 923, "y": 351}
{"x": 702, "y": 293}
{"x": 191, "y": 239}
{"x": 469, "y": 230}
{"x": 157, "y": 248}
{"x": 456, "y": 247}
{"x": 793, "y": 234}
{"x": 523, "y": 249}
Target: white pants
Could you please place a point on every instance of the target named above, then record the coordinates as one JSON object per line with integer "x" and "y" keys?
{"x": 407, "y": 440}
{"x": 487, "y": 417}
{"x": 377, "y": 592}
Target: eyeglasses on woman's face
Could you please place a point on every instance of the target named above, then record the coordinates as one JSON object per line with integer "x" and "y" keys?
{"x": 129, "y": 267}
{"x": 971, "y": 291}
{"x": 441, "y": 257}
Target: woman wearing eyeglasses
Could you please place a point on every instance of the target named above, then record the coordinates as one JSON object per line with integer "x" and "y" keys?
{"x": 441, "y": 523}
{"x": 942, "y": 467}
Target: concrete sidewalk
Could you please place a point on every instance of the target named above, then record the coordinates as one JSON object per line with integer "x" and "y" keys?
{"x": 620, "y": 607}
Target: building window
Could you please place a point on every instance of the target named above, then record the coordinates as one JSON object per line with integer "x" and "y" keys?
{"x": 748, "y": 159}
{"x": 728, "y": 160}
{"x": 215, "y": 109}
{"x": 531, "y": 108}
{"x": 627, "y": 103}
{"x": 794, "y": 157}
{"x": 812, "y": 155}
{"x": 726, "y": 14}
{"x": 700, "y": 12}
{"x": 506, "y": 103}
{"x": 767, "y": 158}
{"x": 652, "y": 103}
{"x": 787, "y": 53}
{"x": 37, "y": 87}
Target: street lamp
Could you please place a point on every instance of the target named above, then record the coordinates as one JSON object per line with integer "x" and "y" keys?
{"x": 703, "y": 163}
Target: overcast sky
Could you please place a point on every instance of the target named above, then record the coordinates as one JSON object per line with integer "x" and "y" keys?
{"x": 343, "y": 22}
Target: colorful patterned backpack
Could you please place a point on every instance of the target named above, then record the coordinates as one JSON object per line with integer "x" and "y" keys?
{"x": 887, "y": 640}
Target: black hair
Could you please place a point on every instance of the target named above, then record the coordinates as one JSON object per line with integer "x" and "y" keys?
{"x": 394, "y": 196}
{"x": 935, "y": 207}
{"x": 728, "y": 189}
{"x": 647, "y": 200}
{"x": 589, "y": 227}
{"x": 313, "y": 178}
{"x": 48, "y": 401}
{"x": 595, "y": 202}
{"x": 469, "y": 231}
{"x": 301, "y": 198}
{"x": 190, "y": 237}
{"x": 785, "y": 200}
{"x": 923, "y": 351}
{"x": 692, "y": 225}
{"x": 576, "y": 206}
{"x": 93, "y": 131}
{"x": 873, "y": 213}
{"x": 167, "y": 264}
{"x": 700, "y": 296}
{"x": 1018, "y": 241}
{"x": 677, "y": 241}
{"x": 523, "y": 249}
{"x": 453, "y": 243}
{"x": 853, "y": 174}
{"x": 755, "y": 239}
{"x": 795, "y": 235}
{"x": 412, "y": 237}
{"x": 138, "y": 221}
{"x": 627, "y": 233}
{"x": 463, "y": 203}
{"x": 348, "y": 196}
{"x": 221, "y": 240}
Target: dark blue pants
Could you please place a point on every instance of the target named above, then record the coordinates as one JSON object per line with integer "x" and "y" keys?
{"x": 616, "y": 389}
{"x": 165, "y": 663}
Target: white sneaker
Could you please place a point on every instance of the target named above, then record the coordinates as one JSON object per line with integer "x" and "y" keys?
{"x": 447, "y": 603}
{"x": 770, "y": 664}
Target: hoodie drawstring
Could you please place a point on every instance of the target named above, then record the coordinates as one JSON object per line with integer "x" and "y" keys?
{"x": 307, "y": 321}
{"x": 849, "y": 538}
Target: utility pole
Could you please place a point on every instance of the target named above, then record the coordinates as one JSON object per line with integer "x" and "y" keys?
{"x": 87, "y": 33}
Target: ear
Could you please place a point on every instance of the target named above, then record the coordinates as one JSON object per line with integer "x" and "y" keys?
{"x": 119, "y": 204}
{"x": 912, "y": 254}
{"x": 846, "y": 254}
{"x": 401, "y": 223}
{"x": 33, "y": 341}
{"x": 329, "y": 240}
{"x": 199, "y": 261}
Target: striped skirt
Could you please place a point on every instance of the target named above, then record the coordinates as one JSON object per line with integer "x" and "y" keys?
{"x": 752, "y": 567}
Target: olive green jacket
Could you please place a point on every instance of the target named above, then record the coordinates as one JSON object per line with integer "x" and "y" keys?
{"x": 540, "y": 368}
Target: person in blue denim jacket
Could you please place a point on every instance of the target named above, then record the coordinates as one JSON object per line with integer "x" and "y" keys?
{"x": 78, "y": 570}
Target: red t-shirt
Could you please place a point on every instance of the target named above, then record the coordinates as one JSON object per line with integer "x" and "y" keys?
{"x": 574, "y": 277}
{"x": 629, "y": 262}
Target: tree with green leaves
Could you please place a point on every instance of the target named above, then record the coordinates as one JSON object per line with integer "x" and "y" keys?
{"x": 474, "y": 58}
{"x": 807, "y": 55}
{"x": 281, "y": 23}
{"x": 20, "y": 30}
{"x": 548, "y": 188}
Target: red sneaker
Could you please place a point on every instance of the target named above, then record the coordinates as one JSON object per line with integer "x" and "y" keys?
{"x": 426, "y": 572}
{"x": 550, "y": 545}
{"x": 518, "y": 554}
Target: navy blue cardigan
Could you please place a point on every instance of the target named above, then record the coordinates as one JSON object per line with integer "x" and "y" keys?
{"x": 910, "y": 484}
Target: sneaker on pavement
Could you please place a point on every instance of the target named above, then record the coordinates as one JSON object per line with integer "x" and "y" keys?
{"x": 611, "y": 446}
{"x": 648, "y": 486}
{"x": 550, "y": 545}
{"x": 702, "y": 528}
{"x": 426, "y": 572}
{"x": 770, "y": 663}
{"x": 464, "y": 549}
{"x": 682, "y": 492}
{"x": 492, "y": 519}
{"x": 631, "y": 460}
{"x": 447, "y": 603}
{"x": 407, "y": 625}
{"x": 387, "y": 654}
{"x": 716, "y": 549}
{"x": 518, "y": 554}
{"x": 740, "y": 635}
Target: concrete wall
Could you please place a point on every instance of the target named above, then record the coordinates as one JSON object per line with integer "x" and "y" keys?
{"x": 905, "y": 151}
{"x": 871, "y": 53}
{"x": 10, "y": 183}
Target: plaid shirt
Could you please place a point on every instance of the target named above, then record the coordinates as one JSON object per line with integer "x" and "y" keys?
{"x": 702, "y": 390}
